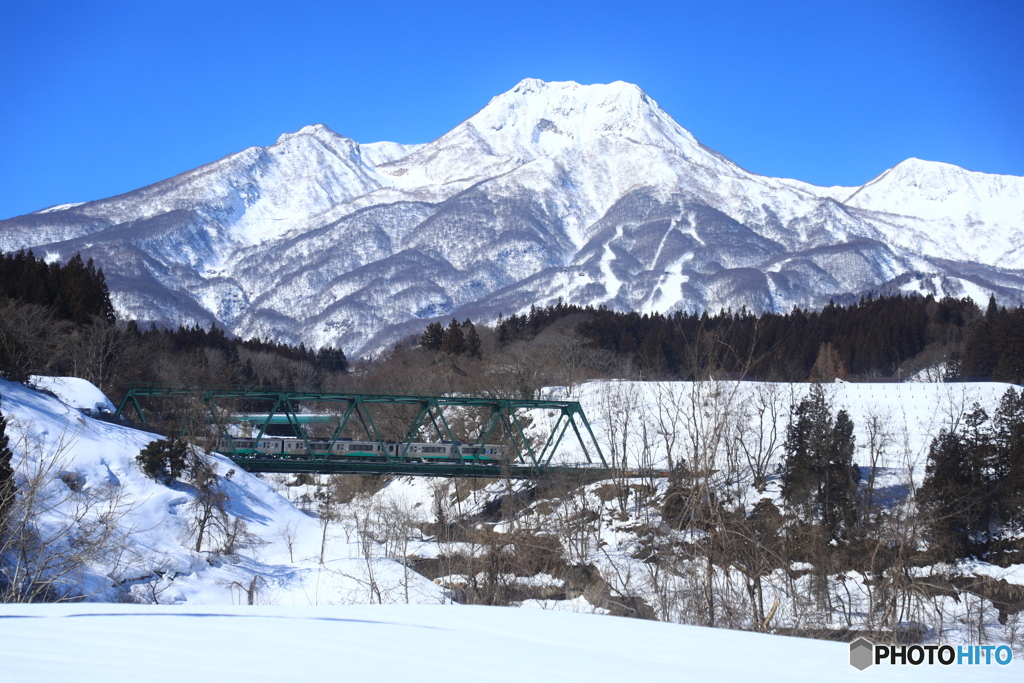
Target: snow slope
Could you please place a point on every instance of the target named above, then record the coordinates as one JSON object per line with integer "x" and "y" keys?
{"x": 591, "y": 193}
{"x": 159, "y": 562}
{"x": 75, "y": 392}
{"x": 113, "y": 643}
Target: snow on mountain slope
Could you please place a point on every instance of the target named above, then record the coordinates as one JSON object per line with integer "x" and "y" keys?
{"x": 42, "y": 643}
{"x": 537, "y": 119}
{"x": 591, "y": 193}
{"x": 243, "y": 198}
{"x": 89, "y": 465}
{"x": 377, "y": 153}
{"x": 979, "y": 215}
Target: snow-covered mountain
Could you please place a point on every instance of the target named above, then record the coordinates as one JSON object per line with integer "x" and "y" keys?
{"x": 591, "y": 193}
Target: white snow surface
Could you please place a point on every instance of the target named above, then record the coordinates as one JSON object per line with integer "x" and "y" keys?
{"x": 114, "y": 643}
{"x": 74, "y": 392}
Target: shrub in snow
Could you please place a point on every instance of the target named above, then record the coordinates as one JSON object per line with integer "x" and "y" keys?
{"x": 163, "y": 459}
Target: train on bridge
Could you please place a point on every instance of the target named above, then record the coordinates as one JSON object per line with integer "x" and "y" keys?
{"x": 299, "y": 448}
{"x": 497, "y": 419}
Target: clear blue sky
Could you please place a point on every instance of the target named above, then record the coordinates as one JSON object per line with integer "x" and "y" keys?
{"x": 98, "y": 98}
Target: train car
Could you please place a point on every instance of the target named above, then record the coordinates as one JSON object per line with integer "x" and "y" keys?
{"x": 296, "y": 447}
{"x": 484, "y": 452}
{"x": 431, "y": 451}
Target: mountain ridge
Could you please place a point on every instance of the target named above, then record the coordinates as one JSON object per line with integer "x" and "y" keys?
{"x": 589, "y": 193}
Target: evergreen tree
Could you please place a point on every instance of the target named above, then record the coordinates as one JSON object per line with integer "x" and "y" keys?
{"x": 956, "y": 494}
{"x": 473, "y": 346}
{"x": 163, "y": 459}
{"x": 6, "y": 469}
{"x": 981, "y": 352}
{"x": 454, "y": 341}
{"x": 819, "y": 478}
{"x": 331, "y": 359}
{"x": 76, "y": 291}
{"x": 1008, "y": 464}
{"x": 992, "y": 310}
{"x": 432, "y": 337}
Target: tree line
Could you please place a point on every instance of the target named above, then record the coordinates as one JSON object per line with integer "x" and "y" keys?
{"x": 877, "y": 337}
{"x": 76, "y": 291}
{"x": 59, "y": 320}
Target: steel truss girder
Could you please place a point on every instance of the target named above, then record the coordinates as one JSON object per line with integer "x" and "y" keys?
{"x": 430, "y": 412}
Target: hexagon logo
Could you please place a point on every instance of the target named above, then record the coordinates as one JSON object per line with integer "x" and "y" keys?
{"x": 862, "y": 653}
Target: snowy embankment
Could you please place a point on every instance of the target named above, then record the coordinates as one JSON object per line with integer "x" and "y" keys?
{"x": 110, "y": 643}
{"x": 88, "y": 472}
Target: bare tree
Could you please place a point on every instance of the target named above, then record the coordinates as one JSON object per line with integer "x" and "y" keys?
{"x": 878, "y": 426}
{"x": 759, "y": 430}
{"x": 95, "y": 350}
{"x": 31, "y": 340}
{"x": 208, "y": 504}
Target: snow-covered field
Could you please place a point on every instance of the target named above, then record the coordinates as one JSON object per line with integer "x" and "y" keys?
{"x": 113, "y": 643}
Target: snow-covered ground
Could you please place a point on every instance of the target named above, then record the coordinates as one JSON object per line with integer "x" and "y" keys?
{"x": 75, "y": 393}
{"x": 306, "y": 577}
{"x": 113, "y": 643}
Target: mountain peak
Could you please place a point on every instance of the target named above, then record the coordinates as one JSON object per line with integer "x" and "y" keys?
{"x": 915, "y": 172}
{"x": 543, "y": 116}
{"x": 618, "y": 94}
{"x": 537, "y": 86}
{"x": 317, "y": 130}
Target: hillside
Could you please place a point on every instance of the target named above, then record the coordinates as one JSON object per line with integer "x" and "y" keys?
{"x": 106, "y": 532}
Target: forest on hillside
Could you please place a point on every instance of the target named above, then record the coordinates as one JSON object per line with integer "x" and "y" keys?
{"x": 58, "y": 319}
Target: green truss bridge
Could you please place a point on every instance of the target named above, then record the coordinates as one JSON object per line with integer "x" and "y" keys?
{"x": 336, "y": 432}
